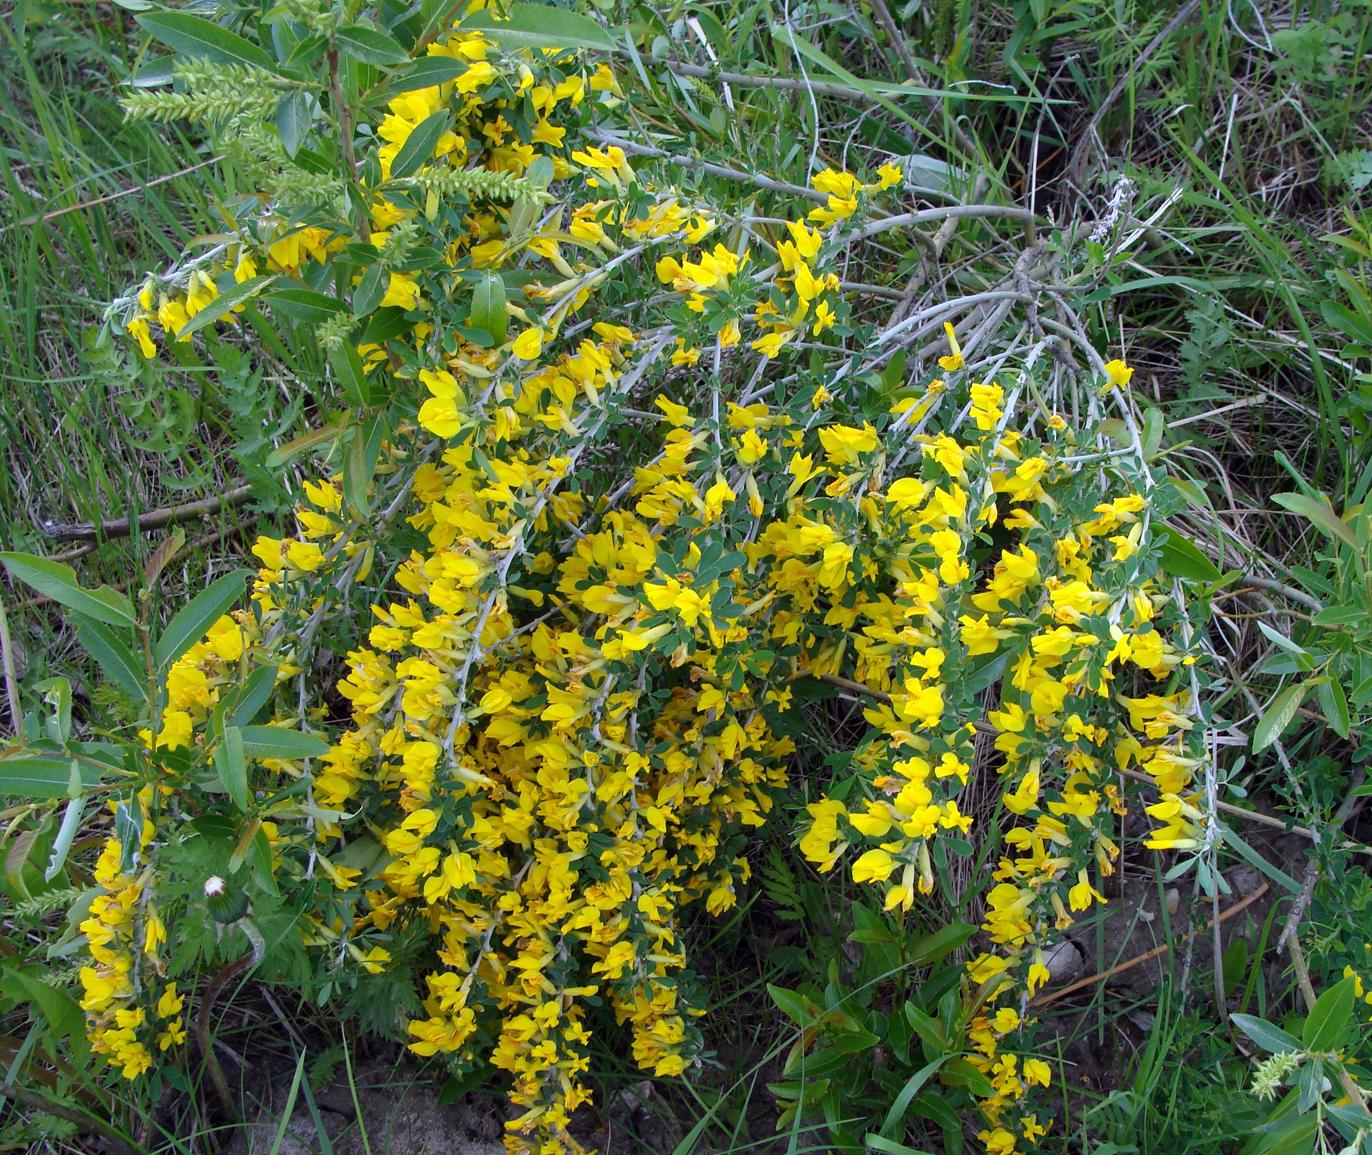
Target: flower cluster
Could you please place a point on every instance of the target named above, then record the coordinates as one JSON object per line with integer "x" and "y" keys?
{"x": 1003, "y": 628}
{"x": 595, "y": 567}
{"x": 131, "y": 1011}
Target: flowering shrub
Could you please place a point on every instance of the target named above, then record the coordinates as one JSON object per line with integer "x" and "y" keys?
{"x": 518, "y": 684}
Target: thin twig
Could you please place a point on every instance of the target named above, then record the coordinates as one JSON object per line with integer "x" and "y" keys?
{"x": 1078, "y": 160}
{"x": 1138, "y": 960}
{"x": 44, "y": 218}
{"x": 153, "y": 519}
{"x": 345, "y": 130}
{"x": 1270, "y": 820}
{"x": 222, "y": 978}
{"x": 783, "y": 83}
{"x": 902, "y": 47}
{"x": 946, "y": 212}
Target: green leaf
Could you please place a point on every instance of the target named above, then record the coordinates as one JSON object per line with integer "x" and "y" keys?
{"x": 71, "y": 823}
{"x": 260, "y": 854}
{"x": 352, "y": 376}
{"x": 1334, "y": 616}
{"x": 1289, "y": 1136}
{"x": 942, "y": 942}
{"x": 191, "y": 35}
{"x": 419, "y": 146}
{"x": 252, "y": 696}
{"x": 40, "y": 777}
{"x": 1277, "y": 716}
{"x": 306, "y": 305}
{"x": 1277, "y": 875}
{"x": 281, "y": 743}
{"x": 1281, "y": 641}
{"x": 1334, "y": 702}
{"x": 1180, "y": 558}
{"x": 895, "y": 1117}
{"x": 203, "y": 610}
{"x": 1329, "y": 1017}
{"x": 1320, "y": 514}
{"x": 370, "y": 45}
{"x": 230, "y": 761}
{"x": 293, "y": 122}
{"x": 427, "y": 73}
{"x": 359, "y": 466}
{"x": 62, "y": 1012}
{"x": 793, "y": 1005}
{"x": 881, "y": 1143}
{"x": 113, "y": 657}
{"x": 960, "y": 1073}
{"x": 928, "y": 1028}
{"x": 1154, "y": 425}
{"x": 541, "y": 26}
{"x": 57, "y": 581}
{"x": 223, "y": 304}
{"x": 370, "y": 290}
{"x": 488, "y": 307}
{"x": 298, "y": 445}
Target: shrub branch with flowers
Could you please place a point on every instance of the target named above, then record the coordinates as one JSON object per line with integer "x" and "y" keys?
{"x": 614, "y": 472}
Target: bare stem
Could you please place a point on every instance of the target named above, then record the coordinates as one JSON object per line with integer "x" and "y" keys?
{"x": 11, "y": 679}
{"x": 345, "y": 129}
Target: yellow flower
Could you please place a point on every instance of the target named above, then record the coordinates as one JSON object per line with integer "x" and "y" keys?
{"x": 770, "y": 344}
{"x": 1118, "y": 373}
{"x": 874, "y": 866}
{"x": 677, "y": 415}
{"x": 402, "y": 292}
{"x": 138, "y": 329}
{"x": 953, "y": 361}
{"x": 441, "y": 414}
{"x": 528, "y": 345}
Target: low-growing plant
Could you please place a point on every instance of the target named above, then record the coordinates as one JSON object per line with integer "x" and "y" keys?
{"x": 608, "y": 476}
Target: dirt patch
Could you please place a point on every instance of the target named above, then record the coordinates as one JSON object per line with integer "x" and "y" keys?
{"x": 396, "y": 1113}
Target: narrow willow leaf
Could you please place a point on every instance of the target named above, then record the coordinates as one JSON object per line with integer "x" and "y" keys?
{"x": 301, "y": 304}
{"x": 232, "y": 764}
{"x": 203, "y": 610}
{"x": 352, "y": 375}
{"x": 488, "y": 307}
{"x": 57, "y": 581}
{"x": 40, "y": 777}
{"x": 427, "y": 73}
{"x": 1180, "y": 558}
{"x": 66, "y": 834}
{"x": 252, "y": 696}
{"x": 280, "y": 743}
{"x": 1265, "y": 1034}
{"x": 297, "y": 445}
{"x": 293, "y": 122}
{"x": 113, "y": 657}
{"x": 419, "y": 146}
{"x": 1278, "y": 716}
{"x": 191, "y": 35}
{"x": 370, "y": 45}
{"x": 1334, "y": 703}
{"x": 541, "y": 26}
{"x": 1328, "y": 1018}
{"x": 1320, "y": 514}
{"x": 224, "y": 304}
